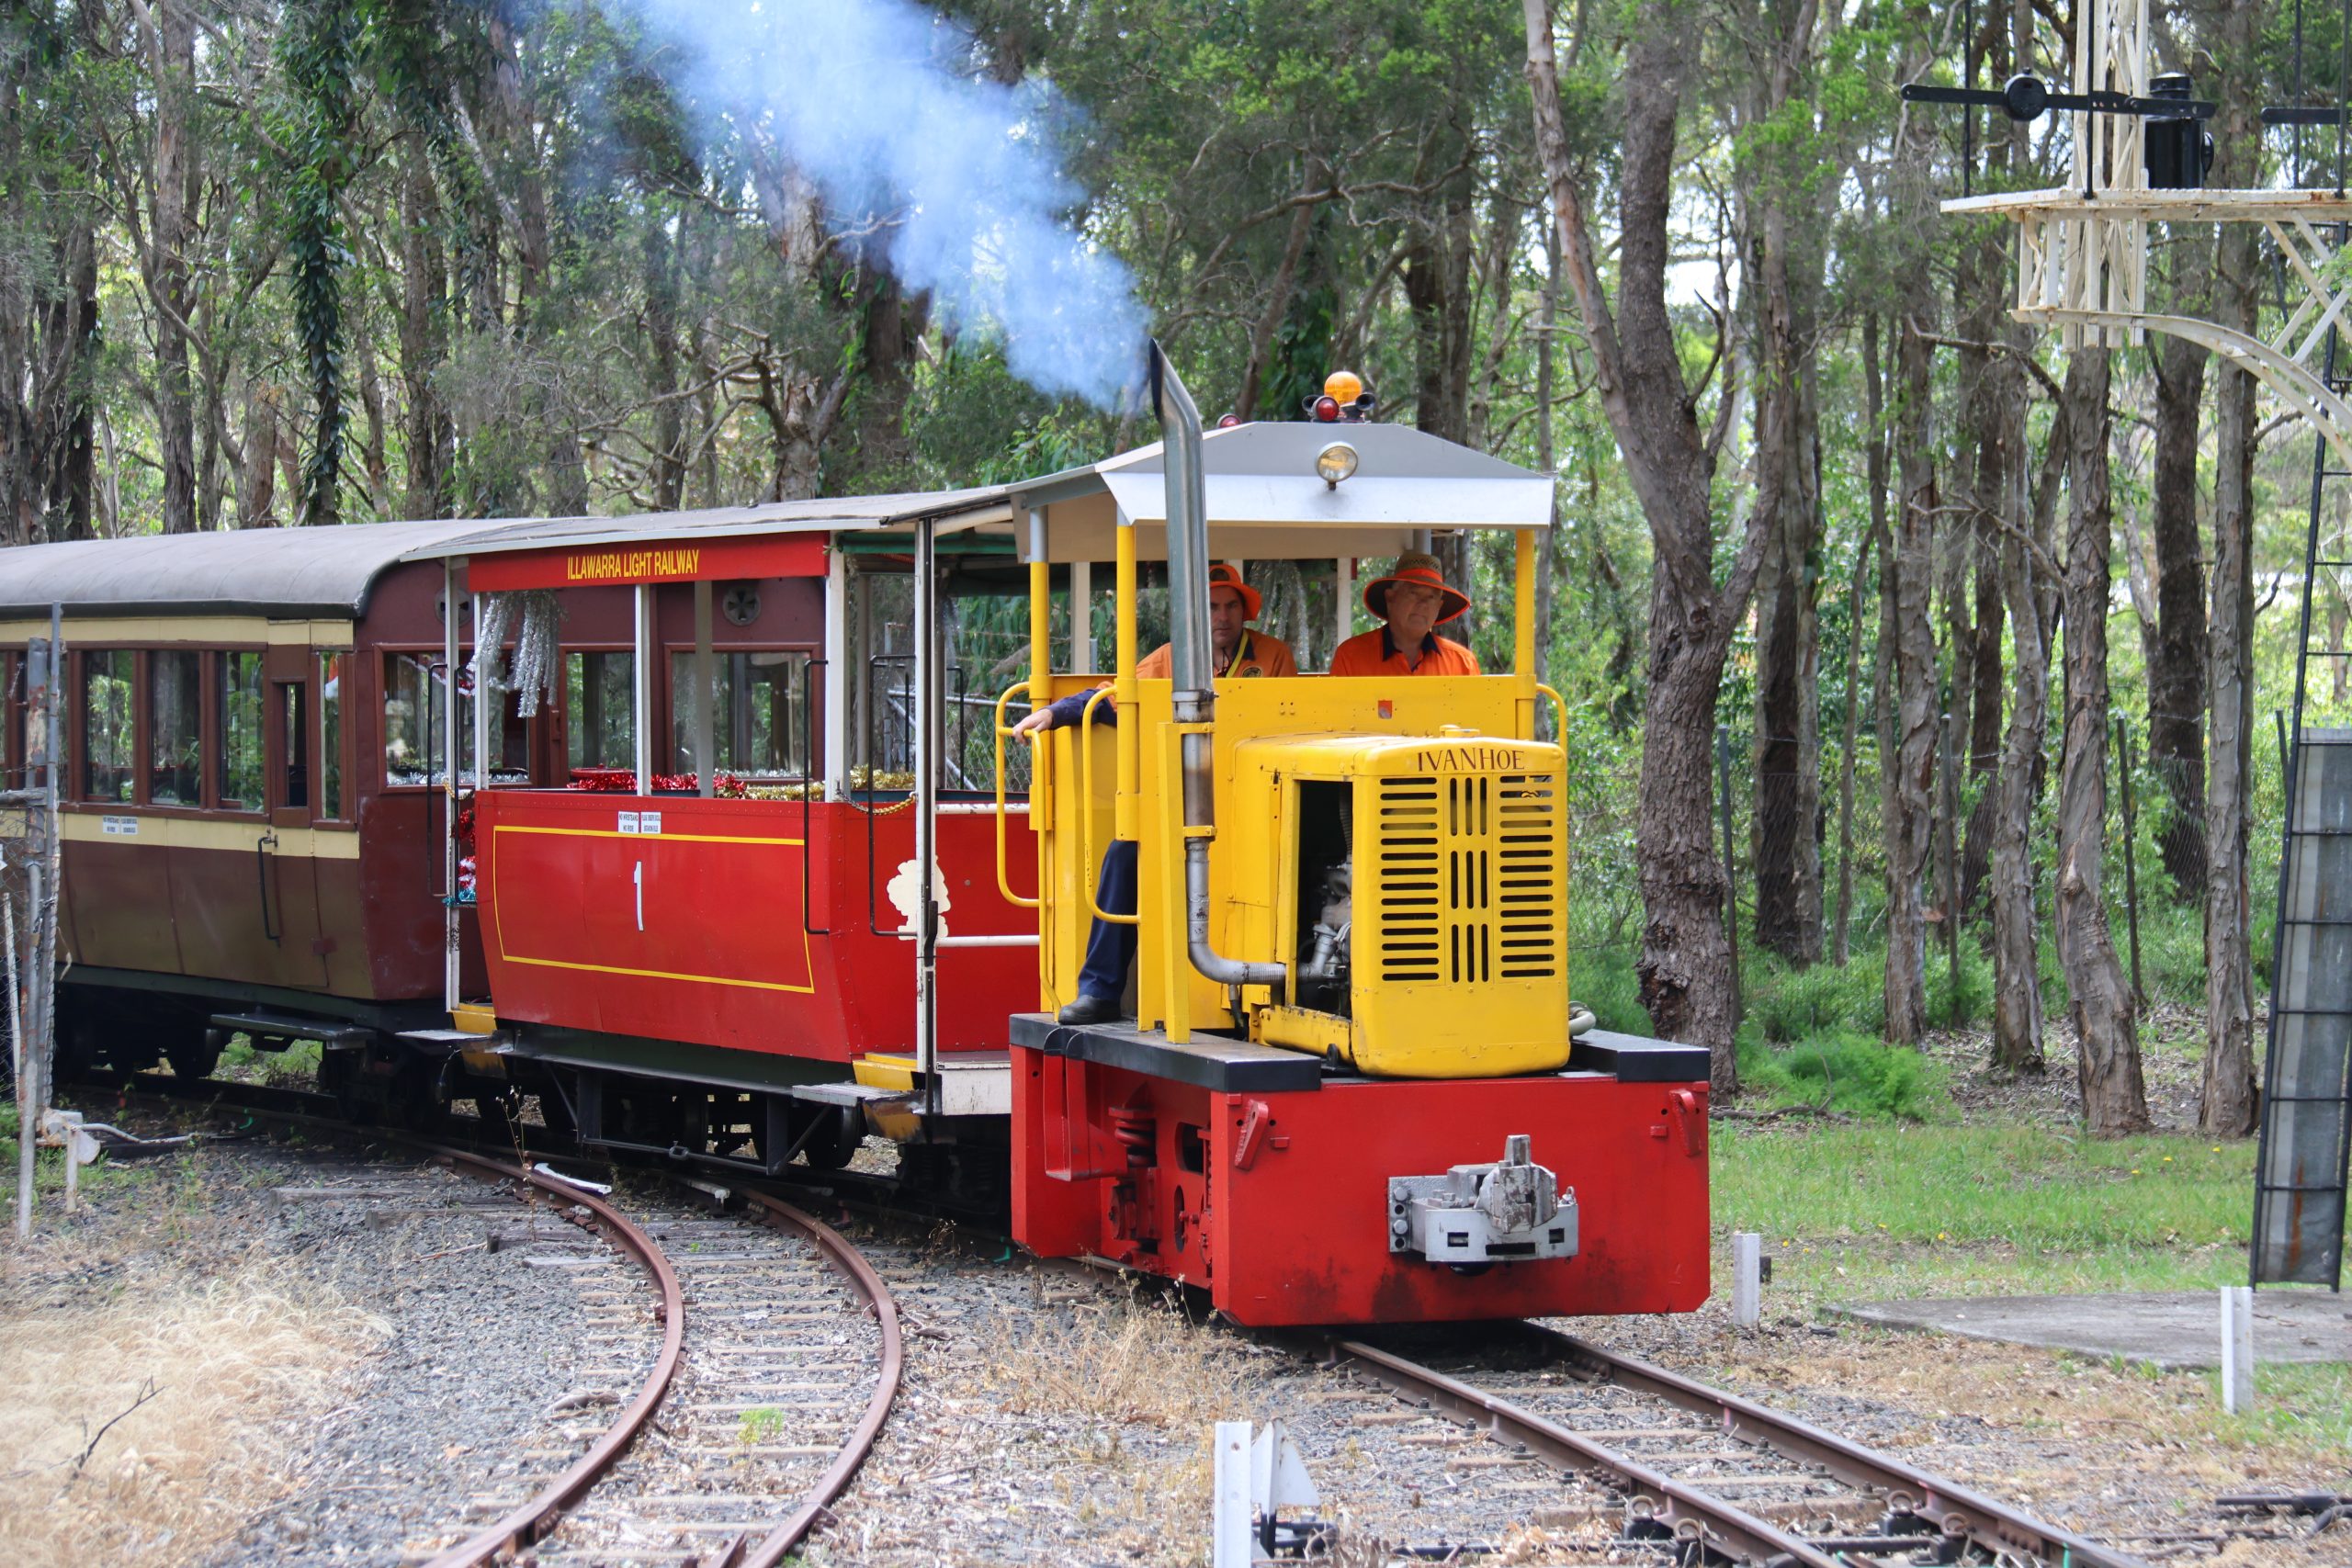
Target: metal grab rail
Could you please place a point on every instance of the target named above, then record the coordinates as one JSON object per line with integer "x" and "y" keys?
{"x": 1559, "y": 716}
{"x": 1086, "y": 814}
{"x": 1003, "y": 882}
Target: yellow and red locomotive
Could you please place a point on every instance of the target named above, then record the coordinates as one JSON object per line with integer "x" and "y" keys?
{"x": 735, "y": 882}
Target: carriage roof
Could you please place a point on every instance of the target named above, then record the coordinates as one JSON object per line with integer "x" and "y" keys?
{"x": 1264, "y": 500}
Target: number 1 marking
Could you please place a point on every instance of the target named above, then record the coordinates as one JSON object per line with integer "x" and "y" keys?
{"x": 641, "y": 896}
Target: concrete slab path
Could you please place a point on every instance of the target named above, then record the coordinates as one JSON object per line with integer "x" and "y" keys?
{"x": 2164, "y": 1328}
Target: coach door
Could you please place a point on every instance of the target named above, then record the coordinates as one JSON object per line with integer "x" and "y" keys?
{"x": 285, "y": 885}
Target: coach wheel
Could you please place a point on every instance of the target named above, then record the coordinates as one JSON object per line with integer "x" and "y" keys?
{"x": 195, "y": 1052}
{"x": 408, "y": 1101}
{"x": 827, "y": 1136}
{"x": 339, "y": 1077}
{"x": 841, "y": 1132}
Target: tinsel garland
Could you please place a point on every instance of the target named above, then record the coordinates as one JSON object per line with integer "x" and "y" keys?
{"x": 535, "y": 619}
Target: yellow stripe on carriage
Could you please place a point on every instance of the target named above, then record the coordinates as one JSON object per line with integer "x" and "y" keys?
{"x": 661, "y": 975}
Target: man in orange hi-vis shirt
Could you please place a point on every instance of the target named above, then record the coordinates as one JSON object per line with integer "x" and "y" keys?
{"x": 1415, "y": 601}
{"x": 1236, "y": 650}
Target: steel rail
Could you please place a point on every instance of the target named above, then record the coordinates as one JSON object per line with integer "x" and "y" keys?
{"x": 851, "y": 1264}
{"x": 527, "y": 1523}
{"x": 1691, "y": 1513}
{"x": 1956, "y": 1509}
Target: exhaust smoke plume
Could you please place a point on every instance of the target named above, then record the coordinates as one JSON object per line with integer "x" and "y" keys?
{"x": 865, "y": 98}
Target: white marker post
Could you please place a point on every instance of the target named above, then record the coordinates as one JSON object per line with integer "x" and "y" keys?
{"x": 2237, "y": 1348}
{"x": 1746, "y": 1279}
{"x": 1230, "y": 1540}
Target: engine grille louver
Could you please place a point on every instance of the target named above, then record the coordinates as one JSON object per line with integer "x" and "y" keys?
{"x": 1471, "y": 878}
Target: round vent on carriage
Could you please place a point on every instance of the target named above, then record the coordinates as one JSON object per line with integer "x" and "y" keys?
{"x": 742, "y": 604}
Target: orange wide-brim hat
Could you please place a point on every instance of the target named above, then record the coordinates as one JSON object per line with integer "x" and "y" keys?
{"x": 1416, "y": 568}
{"x": 1224, "y": 576}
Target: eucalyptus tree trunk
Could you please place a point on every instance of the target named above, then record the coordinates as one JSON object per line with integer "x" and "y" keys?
{"x": 1781, "y": 195}
{"x": 1875, "y": 457}
{"x": 1787, "y": 853}
{"x": 660, "y": 273}
{"x": 1547, "y": 455}
{"x": 170, "y": 63}
{"x": 1437, "y": 289}
{"x": 2178, "y": 654}
{"x": 2229, "y": 1101}
{"x": 2099, "y": 997}
{"x": 1685, "y": 964}
{"x": 1994, "y": 395}
{"x": 427, "y": 436}
{"x": 1841, "y": 940}
{"x": 1905, "y": 574}
{"x": 2034, "y": 601}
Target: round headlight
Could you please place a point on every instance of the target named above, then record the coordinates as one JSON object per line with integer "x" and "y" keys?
{"x": 1335, "y": 462}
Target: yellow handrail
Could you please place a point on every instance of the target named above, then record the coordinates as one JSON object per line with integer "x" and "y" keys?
{"x": 1559, "y": 716}
{"x": 1004, "y": 884}
{"x": 1086, "y": 812}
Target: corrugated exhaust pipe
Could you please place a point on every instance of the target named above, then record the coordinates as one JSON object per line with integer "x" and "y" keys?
{"x": 1195, "y": 660}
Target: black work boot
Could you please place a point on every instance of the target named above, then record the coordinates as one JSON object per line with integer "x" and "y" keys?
{"x": 1090, "y": 1010}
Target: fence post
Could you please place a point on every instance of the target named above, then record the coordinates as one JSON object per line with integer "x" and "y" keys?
{"x": 1951, "y": 866}
{"x": 2131, "y": 854}
{"x": 2237, "y": 1348}
{"x": 1731, "y": 870}
{"x": 1230, "y": 1513}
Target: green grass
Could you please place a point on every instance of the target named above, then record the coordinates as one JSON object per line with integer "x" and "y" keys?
{"x": 1842, "y": 1070}
{"x": 49, "y": 1168}
{"x": 298, "y": 1064}
{"x": 1879, "y": 1210}
{"x": 2293, "y": 1403}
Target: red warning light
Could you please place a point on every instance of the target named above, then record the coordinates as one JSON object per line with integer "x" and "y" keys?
{"x": 1327, "y": 410}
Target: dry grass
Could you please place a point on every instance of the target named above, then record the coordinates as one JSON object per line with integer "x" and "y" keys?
{"x": 1107, "y": 1366}
{"x": 227, "y": 1367}
{"x": 1116, "y": 1362}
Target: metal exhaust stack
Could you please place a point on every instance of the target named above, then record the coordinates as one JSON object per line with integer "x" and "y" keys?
{"x": 1194, "y": 666}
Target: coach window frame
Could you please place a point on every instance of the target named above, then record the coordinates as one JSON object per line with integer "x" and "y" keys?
{"x": 533, "y": 737}
{"x": 810, "y": 724}
{"x": 561, "y": 757}
{"x": 216, "y": 738}
{"x": 79, "y": 745}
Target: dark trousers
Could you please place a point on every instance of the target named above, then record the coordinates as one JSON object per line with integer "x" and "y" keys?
{"x": 1111, "y": 947}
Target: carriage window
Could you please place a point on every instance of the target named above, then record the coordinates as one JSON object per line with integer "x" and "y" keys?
{"x": 414, "y": 691}
{"x": 240, "y": 722}
{"x": 758, "y": 716}
{"x": 294, "y": 715}
{"x": 175, "y": 728}
{"x": 411, "y": 708}
{"x": 330, "y": 668}
{"x": 597, "y": 695}
{"x": 106, "y": 724}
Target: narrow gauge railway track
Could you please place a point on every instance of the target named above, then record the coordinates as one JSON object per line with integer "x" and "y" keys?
{"x": 791, "y": 1361}
{"x": 754, "y": 1309}
{"x": 1718, "y": 1477}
